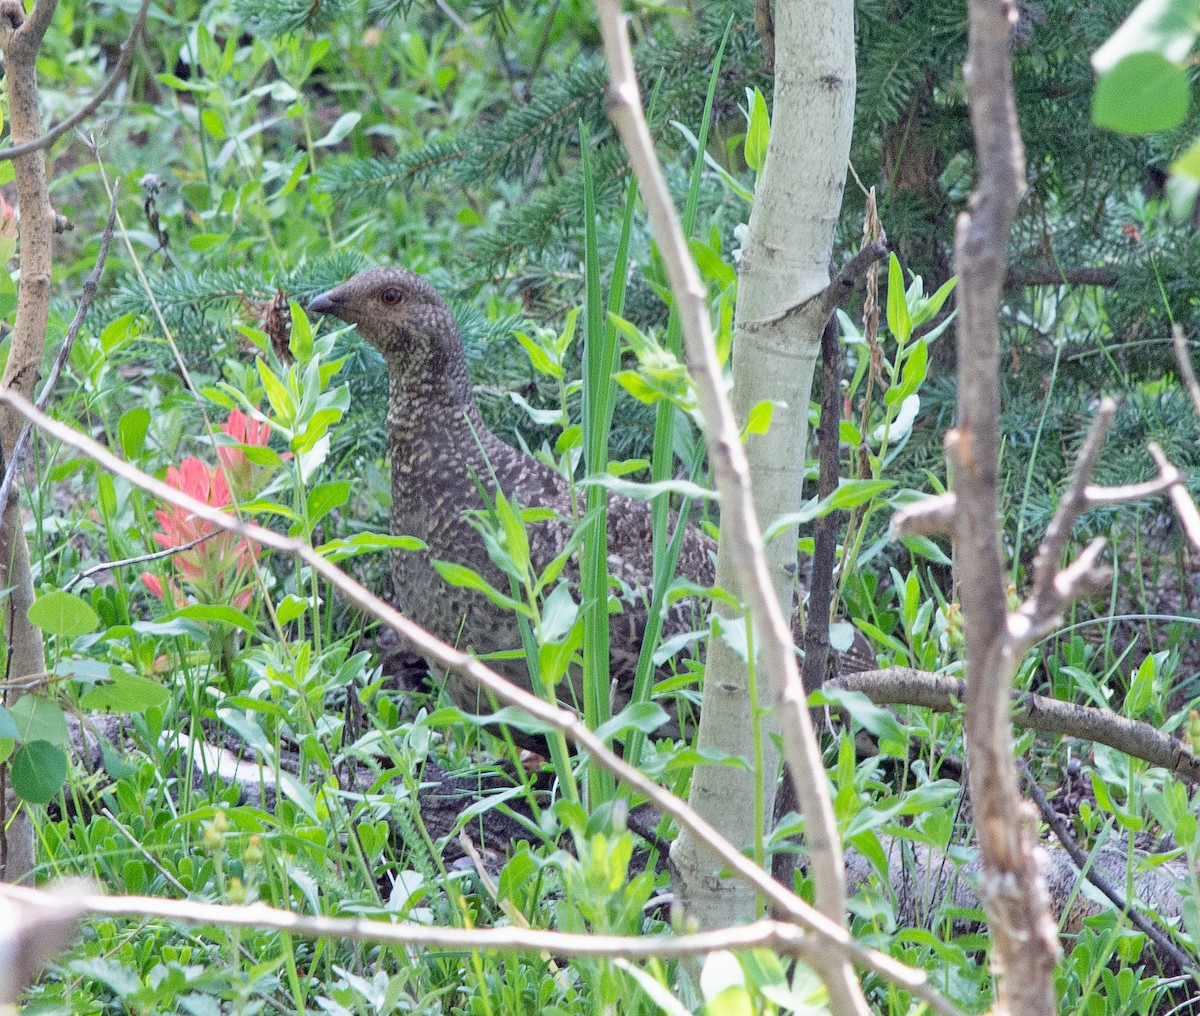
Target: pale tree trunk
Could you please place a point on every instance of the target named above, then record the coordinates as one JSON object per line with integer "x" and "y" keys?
{"x": 778, "y": 323}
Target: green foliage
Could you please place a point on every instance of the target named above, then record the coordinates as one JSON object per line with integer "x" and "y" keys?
{"x": 283, "y": 146}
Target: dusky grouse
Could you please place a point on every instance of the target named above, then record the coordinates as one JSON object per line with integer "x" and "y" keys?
{"x": 441, "y": 453}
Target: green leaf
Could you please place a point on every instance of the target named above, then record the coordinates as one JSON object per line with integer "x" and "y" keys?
{"x": 759, "y": 419}
{"x": 277, "y": 393}
{"x": 39, "y": 719}
{"x": 325, "y": 497}
{"x": 912, "y": 375}
{"x": 63, "y": 614}
{"x": 131, "y": 431}
{"x": 39, "y": 770}
{"x": 116, "y": 332}
{"x": 644, "y": 716}
{"x": 924, "y": 547}
{"x": 710, "y": 264}
{"x": 366, "y": 543}
{"x": 852, "y": 493}
{"x": 344, "y": 125}
{"x": 463, "y": 577}
{"x": 290, "y": 608}
{"x": 899, "y": 323}
{"x": 300, "y": 342}
{"x": 649, "y": 491}
{"x": 8, "y": 726}
{"x": 219, "y": 613}
{"x": 1188, "y": 164}
{"x": 758, "y": 134}
{"x": 1145, "y": 93}
{"x": 126, "y": 693}
{"x": 541, "y": 360}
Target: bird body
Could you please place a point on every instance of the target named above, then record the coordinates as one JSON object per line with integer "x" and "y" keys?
{"x": 444, "y": 459}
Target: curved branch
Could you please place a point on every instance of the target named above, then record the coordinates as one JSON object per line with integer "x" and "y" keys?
{"x": 81, "y": 114}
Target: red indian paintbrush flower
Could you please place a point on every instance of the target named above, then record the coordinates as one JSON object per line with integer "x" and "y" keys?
{"x": 216, "y": 570}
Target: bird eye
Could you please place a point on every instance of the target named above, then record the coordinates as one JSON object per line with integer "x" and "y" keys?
{"x": 391, "y": 295}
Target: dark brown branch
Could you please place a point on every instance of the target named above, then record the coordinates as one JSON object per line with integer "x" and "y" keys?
{"x": 1049, "y": 274}
{"x": 902, "y": 686}
{"x": 820, "y": 592}
{"x": 1088, "y": 870}
{"x": 81, "y": 114}
{"x": 838, "y": 290}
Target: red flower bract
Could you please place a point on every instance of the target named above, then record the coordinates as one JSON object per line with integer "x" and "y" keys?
{"x": 217, "y": 569}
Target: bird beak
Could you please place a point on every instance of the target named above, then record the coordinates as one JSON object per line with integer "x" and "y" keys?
{"x": 325, "y": 304}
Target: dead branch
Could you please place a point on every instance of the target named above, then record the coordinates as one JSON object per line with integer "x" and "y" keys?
{"x": 898, "y": 686}
{"x": 20, "y": 40}
{"x": 1013, "y": 890}
{"x": 1083, "y": 863}
{"x": 739, "y": 521}
{"x": 75, "y": 119}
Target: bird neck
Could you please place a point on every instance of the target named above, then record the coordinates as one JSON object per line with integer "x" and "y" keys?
{"x": 432, "y": 401}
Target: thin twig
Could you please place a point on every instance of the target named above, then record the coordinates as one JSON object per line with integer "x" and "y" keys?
{"x": 1073, "y": 504}
{"x": 124, "y": 562}
{"x": 85, "y": 300}
{"x": 837, "y": 940}
{"x": 820, "y": 592}
{"x": 81, "y": 114}
{"x": 1185, "y": 507}
{"x": 777, "y": 935}
{"x": 1088, "y": 870}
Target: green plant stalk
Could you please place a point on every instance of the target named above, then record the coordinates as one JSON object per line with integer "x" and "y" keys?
{"x": 850, "y": 556}
{"x": 1037, "y": 440}
{"x": 599, "y": 347}
{"x": 662, "y": 461}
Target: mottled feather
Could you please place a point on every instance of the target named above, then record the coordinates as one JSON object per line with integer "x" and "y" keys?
{"x": 441, "y": 452}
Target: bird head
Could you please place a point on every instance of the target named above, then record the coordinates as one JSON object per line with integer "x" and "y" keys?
{"x": 399, "y": 313}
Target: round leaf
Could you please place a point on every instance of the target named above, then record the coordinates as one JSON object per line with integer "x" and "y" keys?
{"x": 1143, "y": 94}
{"x": 39, "y": 719}
{"x": 60, "y": 613}
{"x": 39, "y": 770}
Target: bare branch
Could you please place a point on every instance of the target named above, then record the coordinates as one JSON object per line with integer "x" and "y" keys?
{"x": 837, "y": 938}
{"x": 124, "y": 562}
{"x": 902, "y": 686}
{"x": 932, "y": 516}
{"x": 766, "y": 32}
{"x": 776, "y": 935}
{"x": 1050, "y": 274}
{"x": 1073, "y": 504}
{"x": 1012, "y": 888}
{"x": 81, "y": 114}
{"x": 841, "y": 284}
{"x": 1185, "y": 507}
